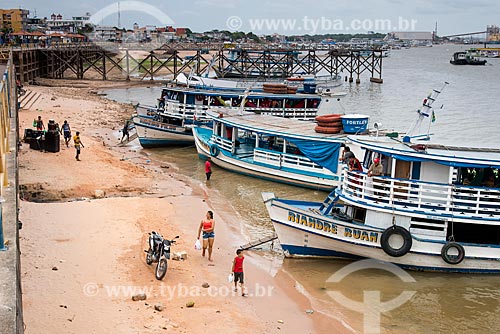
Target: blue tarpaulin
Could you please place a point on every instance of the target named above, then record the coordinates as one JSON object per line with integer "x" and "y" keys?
{"x": 325, "y": 154}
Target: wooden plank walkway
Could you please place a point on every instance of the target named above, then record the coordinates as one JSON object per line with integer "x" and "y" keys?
{"x": 258, "y": 242}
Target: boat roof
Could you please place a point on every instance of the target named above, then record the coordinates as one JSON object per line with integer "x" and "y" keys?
{"x": 458, "y": 156}
{"x": 274, "y": 126}
{"x": 217, "y": 91}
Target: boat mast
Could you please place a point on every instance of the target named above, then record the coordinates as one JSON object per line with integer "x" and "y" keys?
{"x": 426, "y": 111}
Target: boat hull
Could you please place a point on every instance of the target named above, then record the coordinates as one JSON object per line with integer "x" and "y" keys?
{"x": 154, "y": 136}
{"x": 303, "y": 231}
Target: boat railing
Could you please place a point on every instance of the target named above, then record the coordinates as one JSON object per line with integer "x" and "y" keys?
{"x": 157, "y": 124}
{"x": 222, "y": 143}
{"x": 287, "y": 160}
{"x": 190, "y": 109}
{"x": 267, "y": 156}
{"x": 432, "y": 198}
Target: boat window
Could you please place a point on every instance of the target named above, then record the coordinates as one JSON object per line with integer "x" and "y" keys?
{"x": 252, "y": 103}
{"x": 384, "y": 160}
{"x": 474, "y": 233}
{"x": 415, "y": 170}
{"x": 292, "y": 149}
{"x": 367, "y": 160}
{"x": 479, "y": 177}
{"x": 312, "y": 103}
{"x": 359, "y": 215}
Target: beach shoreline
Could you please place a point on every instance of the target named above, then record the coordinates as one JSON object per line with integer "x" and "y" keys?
{"x": 96, "y": 244}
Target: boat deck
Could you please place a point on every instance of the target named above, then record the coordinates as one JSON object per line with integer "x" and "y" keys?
{"x": 276, "y": 126}
{"x": 253, "y": 93}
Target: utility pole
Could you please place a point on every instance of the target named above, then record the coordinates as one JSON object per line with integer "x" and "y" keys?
{"x": 119, "y": 15}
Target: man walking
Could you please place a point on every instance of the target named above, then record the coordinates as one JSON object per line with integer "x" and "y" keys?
{"x": 125, "y": 131}
{"x": 66, "y": 131}
{"x": 78, "y": 143}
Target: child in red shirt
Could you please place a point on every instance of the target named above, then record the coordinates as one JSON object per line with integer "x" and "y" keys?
{"x": 208, "y": 168}
{"x": 238, "y": 271}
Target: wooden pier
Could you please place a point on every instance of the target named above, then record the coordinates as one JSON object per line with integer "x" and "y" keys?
{"x": 91, "y": 61}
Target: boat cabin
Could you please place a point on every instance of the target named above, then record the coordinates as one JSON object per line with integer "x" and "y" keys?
{"x": 436, "y": 192}
{"x": 302, "y": 106}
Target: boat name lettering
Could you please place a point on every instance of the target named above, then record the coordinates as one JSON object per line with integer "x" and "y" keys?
{"x": 317, "y": 224}
{"x": 360, "y": 234}
{"x": 359, "y": 122}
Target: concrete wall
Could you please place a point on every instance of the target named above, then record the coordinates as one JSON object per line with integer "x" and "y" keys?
{"x": 11, "y": 315}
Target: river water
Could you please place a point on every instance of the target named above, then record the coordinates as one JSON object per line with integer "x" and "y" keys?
{"x": 440, "y": 303}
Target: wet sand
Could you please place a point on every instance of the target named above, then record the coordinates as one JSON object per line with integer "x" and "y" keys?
{"x": 83, "y": 257}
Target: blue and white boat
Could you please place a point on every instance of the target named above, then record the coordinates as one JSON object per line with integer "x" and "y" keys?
{"x": 291, "y": 105}
{"x": 304, "y": 83}
{"x": 159, "y": 128}
{"x": 171, "y": 122}
{"x": 435, "y": 208}
{"x": 272, "y": 148}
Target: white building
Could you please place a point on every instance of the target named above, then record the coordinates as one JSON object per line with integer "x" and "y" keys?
{"x": 420, "y": 36}
{"x": 57, "y": 22}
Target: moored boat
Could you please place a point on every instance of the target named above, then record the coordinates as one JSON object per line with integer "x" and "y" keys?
{"x": 434, "y": 207}
{"x": 156, "y": 129}
{"x": 277, "y": 149}
{"x": 290, "y": 105}
{"x": 466, "y": 58}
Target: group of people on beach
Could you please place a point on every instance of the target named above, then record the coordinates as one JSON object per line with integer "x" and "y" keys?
{"x": 64, "y": 130}
{"x": 206, "y": 230}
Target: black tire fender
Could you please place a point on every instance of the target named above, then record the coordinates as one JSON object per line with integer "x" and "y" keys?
{"x": 407, "y": 241}
{"x": 453, "y": 259}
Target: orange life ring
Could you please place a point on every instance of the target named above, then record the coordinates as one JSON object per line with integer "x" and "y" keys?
{"x": 274, "y": 85}
{"x": 335, "y": 124}
{"x": 328, "y": 118}
{"x": 327, "y": 130}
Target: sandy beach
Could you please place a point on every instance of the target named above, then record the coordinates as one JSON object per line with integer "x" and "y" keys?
{"x": 83, "y": 253}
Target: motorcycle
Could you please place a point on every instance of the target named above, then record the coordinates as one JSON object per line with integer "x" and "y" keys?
{"x": 159, "y": 252}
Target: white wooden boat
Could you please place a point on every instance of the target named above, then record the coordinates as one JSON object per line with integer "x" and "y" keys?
{"x": 170, "y": 123}
{"x": 435, "y": 208}
{"x": 158, "y": 128}
{"x": 272, "y": 148}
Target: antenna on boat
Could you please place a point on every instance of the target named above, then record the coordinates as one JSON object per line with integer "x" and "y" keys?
{"x": 425, "y": 112}
{"x": 190, "y": 76}
{"x": 243, "y": 101}
{"x": 209, "y": 67}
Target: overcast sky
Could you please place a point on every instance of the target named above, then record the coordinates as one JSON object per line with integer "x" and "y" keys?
{"x": 304, "y": 16}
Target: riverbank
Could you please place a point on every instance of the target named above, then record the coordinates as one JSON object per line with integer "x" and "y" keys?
{"x": 83, "y": 259}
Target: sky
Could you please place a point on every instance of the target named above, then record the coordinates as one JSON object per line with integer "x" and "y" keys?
{"x": 288, "y": 17}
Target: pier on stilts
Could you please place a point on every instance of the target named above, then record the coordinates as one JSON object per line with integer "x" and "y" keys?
{"x": 91, "y": 61}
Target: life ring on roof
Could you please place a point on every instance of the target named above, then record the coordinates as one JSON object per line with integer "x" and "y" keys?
{"x": 334, "y": 124}
{"x": 214, "y": 150}
{"x": 328, "y": 118}
{"x": 453, "y": 258}
{"x": 389, "y": 246}
{"x": 328, "y": 130}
